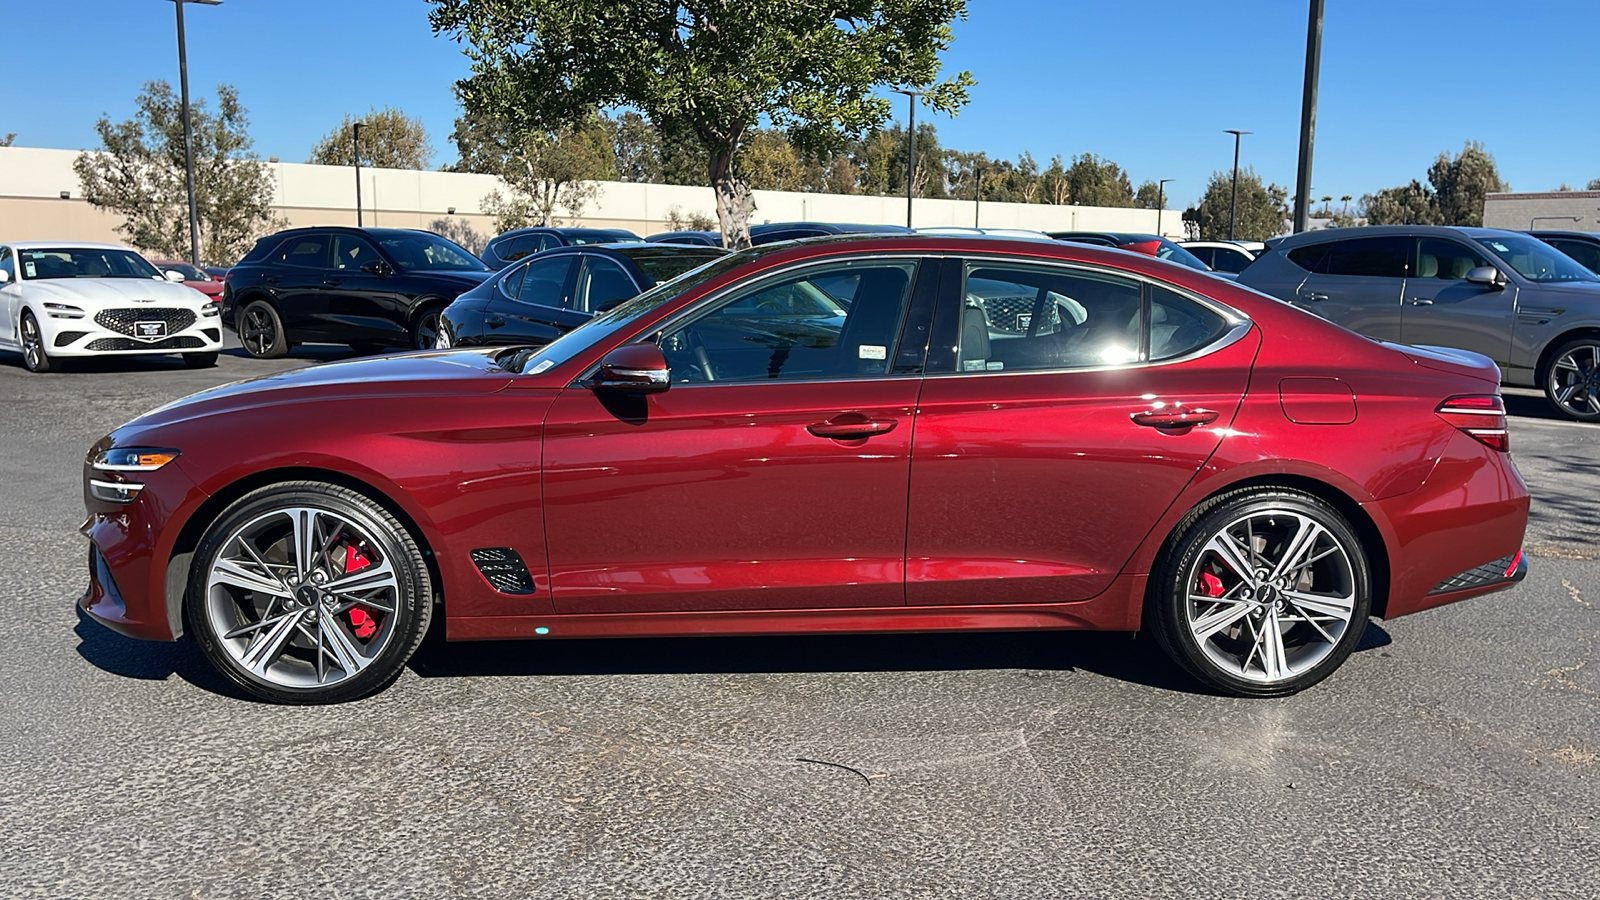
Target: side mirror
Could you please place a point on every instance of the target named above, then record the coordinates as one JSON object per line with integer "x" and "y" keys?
{"x": 173, "y": 275}
{"x": 4, "y": 276}
{"x": 375, "y": 267}
{"x": 1488, "y": 276}
{"x": 634, "y": 369}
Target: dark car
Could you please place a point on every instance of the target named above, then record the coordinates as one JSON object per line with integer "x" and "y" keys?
{"x": 1582, "y": 246}
{"x": 217, "y": 273}
{"x": 1148, "y": 244}
{"x": 772, "y": 232}
{"x": 698, "y": 238}
{"x": 820, "y": 438}
{"x": 505, "y": 249}
{"x": 547, "y": 295}
{"x": 371, "y": 288}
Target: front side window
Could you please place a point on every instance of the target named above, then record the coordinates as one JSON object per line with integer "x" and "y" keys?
{"x": 83, "y": 262}
{"x": 310, "y": 252}
{"x": 794, "y": 328}
{"x": 422, "y": 251}
{"x": 1225, "y": 260}
{"x": 350, "y": 253}
{"x": 601, "y": 285}
{"x": 1535, "y": 260}
{"x": 513, "y": 249}
{"x": 544, "y": 282}
{"x": 1017, "y": 318}
{"x": 1446, "y": 260}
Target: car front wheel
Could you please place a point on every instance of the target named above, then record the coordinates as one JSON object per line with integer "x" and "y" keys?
{"x": 305, "y": 592}
{"x": 1572, "y": 381}
{"x": 34, "y": 356}
{"x": 1264, "y": 594}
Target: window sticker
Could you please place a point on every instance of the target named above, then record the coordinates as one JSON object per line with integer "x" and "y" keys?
{"x": 541, "y": 367}
{"x": 972, "y": 365}
{"x": 28, "y": 269}
{"x": 994, "y": 366}
{"x": 872, "y": 351}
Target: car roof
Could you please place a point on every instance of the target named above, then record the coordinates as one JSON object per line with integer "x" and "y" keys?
{"x": 1331, "y": 234}
{"x": 832, "y": 227}
{"x": 61, "y": 245}
{"x": 1593, "y": 236}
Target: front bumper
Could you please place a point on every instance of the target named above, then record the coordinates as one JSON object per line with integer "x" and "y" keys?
{"x": 123, "y": 332}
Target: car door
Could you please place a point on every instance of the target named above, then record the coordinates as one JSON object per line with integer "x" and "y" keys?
{"x": 1052, "y": 440}
{"x": 10, "y": 299}
{"x": 1356, "y": 282}
{"x": 362, "y": 306}
{"x": 296, "y": 280}
{"x": 533, "y": 304}
{"x": 1442, "y": 308}
{"x": 778, "y": 486}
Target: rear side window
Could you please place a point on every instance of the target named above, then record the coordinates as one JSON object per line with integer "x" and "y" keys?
{"x": 1180, "y": 326}
{"x": 260, "y": 250}
{"x": 1587, "y": 255}
{"x": 311, "y": 252}
{"x": 1375, "y": 257}
{"x": 1224, "y": 260}
{"x": 516, "y": 248}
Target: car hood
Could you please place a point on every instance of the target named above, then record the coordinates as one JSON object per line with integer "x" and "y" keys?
{"x": 109, "y": 292}
{"x": 423, "y": 373}
{"x": 462, "y": 280}
{"x": 1557, "y": 292}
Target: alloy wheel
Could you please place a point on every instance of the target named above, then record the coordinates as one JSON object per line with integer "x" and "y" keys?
{"x": 1270, "y": 595}
{"x": 259, "y": 332}
{"x": 302, "y": 597}
{"x": 32, "y": 344}
{"x": 1575, "y": 380}
{"x": 426, "y": 336}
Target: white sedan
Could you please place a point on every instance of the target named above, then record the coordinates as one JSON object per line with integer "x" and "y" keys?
{"x": 70, "y": 299}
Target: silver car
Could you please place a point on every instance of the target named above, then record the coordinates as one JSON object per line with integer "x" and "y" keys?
{"x": 1504, "y": 294}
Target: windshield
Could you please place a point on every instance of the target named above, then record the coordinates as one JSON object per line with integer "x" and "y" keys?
{"x": 1535, "y": 260}
{"x": 83, "y": 262}
{"x": 598, "y": 328}
{"x": 420, "y": 251}
{"x": 1174, "y": 253}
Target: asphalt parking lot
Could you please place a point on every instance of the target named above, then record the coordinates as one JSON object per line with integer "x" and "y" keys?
{"x": 1456, "y": 754}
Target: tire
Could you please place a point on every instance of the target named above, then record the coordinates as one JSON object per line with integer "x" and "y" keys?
{"x": 34, "y": 356}
{"x": 339, "y": 625}
{"x": 261, "y": 331}
{"x": 369, "y": 349}
{"x": 1571, "y": 379}
{"x": 1219, "y": 623}
{"x": 425, "y": 329}
{"x": 200, "y": 360}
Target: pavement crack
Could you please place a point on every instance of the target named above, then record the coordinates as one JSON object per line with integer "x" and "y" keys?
{"x": 1575, "y": 594}
{"x": 1562, "y": 675}
{"x": 822, "y": 762}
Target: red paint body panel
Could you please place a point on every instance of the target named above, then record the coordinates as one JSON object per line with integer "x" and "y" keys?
{"x": 709, "y": 509}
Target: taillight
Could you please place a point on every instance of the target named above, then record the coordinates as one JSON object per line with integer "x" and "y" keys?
{"x": 1483, "y": 416}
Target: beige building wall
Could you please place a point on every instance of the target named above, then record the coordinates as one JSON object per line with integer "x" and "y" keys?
{"x": 40, "y": 198}
{"x": 1551, "y": 211}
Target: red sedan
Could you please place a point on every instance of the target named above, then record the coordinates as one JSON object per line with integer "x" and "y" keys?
{"x": 860, "y": 434}
{"x": 193, "y": 276}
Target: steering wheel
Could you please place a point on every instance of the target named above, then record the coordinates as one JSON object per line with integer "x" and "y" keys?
{"x": 685, "y": 340}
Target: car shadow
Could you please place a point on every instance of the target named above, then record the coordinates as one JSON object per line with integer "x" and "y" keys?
{"x": 1532, "y": 407}
{"x": 311, "y": 352}
{"x": 149, "y": 660}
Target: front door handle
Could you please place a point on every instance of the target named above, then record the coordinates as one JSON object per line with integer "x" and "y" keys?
{"x": 1174, "y": 418}
{"x": 494, "y": 321}
{"x": 1420, "y": 301}
{"x": 1314, "y": 296}
{"x": 850, "y": 427}
{"x": 272, "y": 279}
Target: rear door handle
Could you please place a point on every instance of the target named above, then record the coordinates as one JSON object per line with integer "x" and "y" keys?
{"x": 1174, "y": 418}
{"x": 494, "y": 321}
{"x": 272, "y": 279}
{"x": 1314, "y": 296}
{"x": 331, "y": 282}
{"x": 1420, "y": 301}
{"x": 851, "y": 427}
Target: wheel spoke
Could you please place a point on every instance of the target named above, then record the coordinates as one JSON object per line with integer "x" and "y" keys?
{"x": 1274, "y": 658}
{"x": 1300, "y": 547}
{"x": 378, "y": 575}
{"x": 229, "y": 571}
{"x": 305, "y": 539}
{"x": 267, "y": 620}
{"x": 341, "y": 645}
{"x": 1339, "y": 608}
{"x": 1226, "y": 547}
{"x": 1211, "y": 623}
{"x": 266, "y": 648}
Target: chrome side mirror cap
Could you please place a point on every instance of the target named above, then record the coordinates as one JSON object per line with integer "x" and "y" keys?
{"x": 634, "y": 369}
{"x": 1488, "y": 276}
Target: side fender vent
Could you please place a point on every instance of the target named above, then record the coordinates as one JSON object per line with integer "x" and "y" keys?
{"x": 503, "y": 568}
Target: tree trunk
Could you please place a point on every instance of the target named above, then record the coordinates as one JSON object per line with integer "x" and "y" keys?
{"x": 735, "y": 201}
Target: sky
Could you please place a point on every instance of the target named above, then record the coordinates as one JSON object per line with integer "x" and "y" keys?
{"x": 1150, "y": 85}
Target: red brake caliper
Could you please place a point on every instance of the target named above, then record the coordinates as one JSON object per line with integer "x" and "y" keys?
{"x": 1209, "y": 584}
{"x": 362, "y": 624}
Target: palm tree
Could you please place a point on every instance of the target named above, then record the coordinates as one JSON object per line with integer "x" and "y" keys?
{"x": 1346, "y": 201}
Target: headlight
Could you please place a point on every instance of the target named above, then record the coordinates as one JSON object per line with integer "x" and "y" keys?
{"x": 63, "y": 311}
{"x": 114, "y": 491}
{"x": 133, "y": 459}
{"x": 210, "y": 309}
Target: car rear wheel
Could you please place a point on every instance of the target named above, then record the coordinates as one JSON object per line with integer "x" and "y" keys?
{"x": 261, "y": 331}
{"x": 1264, "y": 594}
{"x": 425, "y": 331}
{"x": 1572, "y": 381}
{"x": 200, "y": 360}
{"x": 305, "y": 592}
{"x": 34, "y": 356}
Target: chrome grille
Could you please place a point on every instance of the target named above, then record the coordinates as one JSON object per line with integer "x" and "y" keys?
{"x": 123, "y": 321}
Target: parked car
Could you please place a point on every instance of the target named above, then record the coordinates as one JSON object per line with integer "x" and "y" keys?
{"x": 772, "y": 232}
{"x": 1023, "y": 234}
{"x": 1509, "y": 296}
{"x": 545, "y": 296}
{"x": 1582, "y": 246}
{"x": 193, "y": 277}
{"x": 217, "y": 273}
{"x": 371, "y": 288}
{"x": 1224, "y": 256}
{"x": 60, "y": 299}
{"x": 826, "y": 437}
{"x": 699, "y": 238}
{"x": 1148, "y": 244}
{"x": 505, "y": 249}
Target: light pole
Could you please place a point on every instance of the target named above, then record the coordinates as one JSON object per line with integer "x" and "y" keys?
{"x": 188, "y": 131}
{"x": 1161, "y": 201}
{"x": 911, "y": 147}
{"x": 1233, "y": 204}
{"x": 355, "y": 154}
{"x": 1308, "y": 117}
{"x": 977, "y": 195}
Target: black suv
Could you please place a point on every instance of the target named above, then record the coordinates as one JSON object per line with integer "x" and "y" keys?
{"x": 371, "y": 288}
{"x": 519, "y": 243}
{"x": 1582, "y": 246}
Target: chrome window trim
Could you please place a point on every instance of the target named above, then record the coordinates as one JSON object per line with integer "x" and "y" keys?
{"x": 525, "y": 263}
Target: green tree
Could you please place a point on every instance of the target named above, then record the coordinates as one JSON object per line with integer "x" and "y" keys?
{"x": 635, "y": 148}
{"x": 139, "y": 173}
{"x": 1148, "y": 196}
{"x": 389, "y": 140}
{"x": 1593, "y": 185}
{"x": 1263, "y": 209}
{"x": 460, "y": 231}
{"x": 769, "y": 162}
{"x": 1461, "y": 184}
{"x": 8, "y": 140}
{"x": 1408, "y": 204}
{"x": 549, "y": 175}
{"x": 1093, "y": 181}
{"x": 712, "y": 69}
